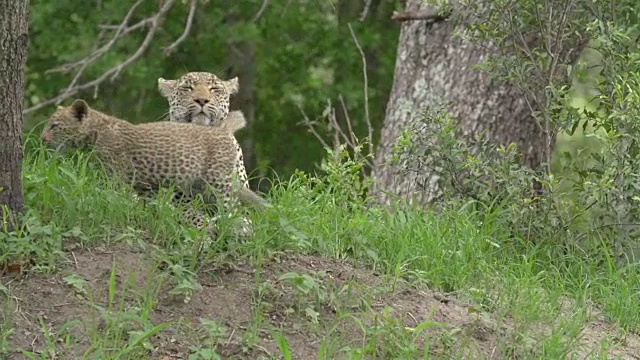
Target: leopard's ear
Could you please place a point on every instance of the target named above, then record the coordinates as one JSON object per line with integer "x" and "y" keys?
{"x": 79, "y": 109}
{"x": 232, "y": 86}
{"x": 166, "y": 87}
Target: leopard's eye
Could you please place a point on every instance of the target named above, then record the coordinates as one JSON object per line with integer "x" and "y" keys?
{"x": 215, "y": 88}
{"x": 186, "y": 87}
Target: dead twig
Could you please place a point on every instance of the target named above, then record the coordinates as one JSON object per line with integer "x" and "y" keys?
{"x": 263, "y": 7}
{"x": 339, "y": 136}
{"x": 365, "y": 86}
{"x": 96, "y": 54}
{"x": 193, "y": 5}
{"x": 365, "y": 11}
{"x": 139, "y": 25}
{"x": 431, "y": 16}
{"x": 121, "y": 30}
{"x": 311, "y": 125}
{"x": 352, "y": 134}
{"x": 335, "y": 129}
{"x": 152, "y": 22}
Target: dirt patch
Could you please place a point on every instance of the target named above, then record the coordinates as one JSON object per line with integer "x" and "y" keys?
{"x": 239, "y": 310}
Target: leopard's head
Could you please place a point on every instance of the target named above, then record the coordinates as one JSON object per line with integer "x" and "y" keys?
{"x": 65, "y": 126}
{"x": 198, "y": 97}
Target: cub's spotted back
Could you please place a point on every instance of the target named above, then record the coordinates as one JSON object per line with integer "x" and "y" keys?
{"x": 157, "y": 154}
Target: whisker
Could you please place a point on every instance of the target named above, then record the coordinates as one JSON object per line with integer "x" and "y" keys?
{"x": 164, "y": 117}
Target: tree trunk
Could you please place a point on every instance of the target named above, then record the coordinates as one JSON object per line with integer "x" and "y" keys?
{"x": 14, "y": 39}
{"x": 432, "y": 64}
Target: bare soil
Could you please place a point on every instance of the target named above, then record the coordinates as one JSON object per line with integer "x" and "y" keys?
{"x": 252, "y": 304}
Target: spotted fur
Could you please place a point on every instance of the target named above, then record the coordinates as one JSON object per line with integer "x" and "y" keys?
{"x": 202, "y": 98}
{"x": 194, "y": 158}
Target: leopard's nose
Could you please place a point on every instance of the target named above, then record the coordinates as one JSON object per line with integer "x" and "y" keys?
{"x": 201, "y": 101}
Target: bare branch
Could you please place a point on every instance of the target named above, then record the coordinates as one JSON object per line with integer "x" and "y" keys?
{"x": 263, "y": 7}
{"x": 311, "y": 125}
{"x": 365, "y": 11}
{"x": 337, "y": 129}
{"x": 140, "y": 24}
{"x": 99, "y": 52}
{"x": 365, "y": 87}
{"x": 153, "y": 22}
{"x": 347, "y": 118}
{"x": 120, "y": 29}
{"x": 431, "y": 16}
{"x": 193, "y": 4}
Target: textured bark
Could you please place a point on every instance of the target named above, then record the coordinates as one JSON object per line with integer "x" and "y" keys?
{"x": 14, "y": 40}
{"x": 432, "y": 64}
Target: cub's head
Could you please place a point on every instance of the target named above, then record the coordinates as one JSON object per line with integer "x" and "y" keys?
{"x": 64, "y": 126}
{"x": 198, "y": 97}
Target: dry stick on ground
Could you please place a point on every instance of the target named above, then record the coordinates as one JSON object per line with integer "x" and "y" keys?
{"x": 153, "y": 23}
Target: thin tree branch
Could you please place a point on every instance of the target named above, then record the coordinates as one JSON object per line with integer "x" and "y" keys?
{"x": 193, "y": 5}
{"x": 333, "y": 123}
{"x": 311, "y": 125}
{"x": 365, "y": 11}
{"x": 121, "y": 30}
{"x": 347, "y": 118}
{"x": 431, "y": 16}
{"x": 263, "y": 7}
{"x": 153, "y": 22}
{"x": 101, "y": 51}
{"x": 365, "y": 87}
{"x": 140, "y": 24}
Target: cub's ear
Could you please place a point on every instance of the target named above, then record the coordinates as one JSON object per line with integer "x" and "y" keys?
{"x": 166, "y": 87}
{"x": 232, "y": 86}
{"x": 79, "y": 109}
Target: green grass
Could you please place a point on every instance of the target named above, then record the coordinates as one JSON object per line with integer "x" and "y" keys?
{"x": 71, "y": 204}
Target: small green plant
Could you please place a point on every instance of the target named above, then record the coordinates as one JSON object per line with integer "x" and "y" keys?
{"x": 305, "y": 284}
{"x": 79, "y": 284}
{"x": 186, "y": 281}
{"x": 281, "y": 340}
{"x": 33, "y": 243}
{"x": 6, "y": 323}
{"x": 214, "y": 335}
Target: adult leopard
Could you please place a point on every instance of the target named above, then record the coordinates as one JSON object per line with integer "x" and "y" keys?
{"x": 202, "y": 98}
